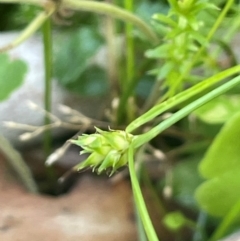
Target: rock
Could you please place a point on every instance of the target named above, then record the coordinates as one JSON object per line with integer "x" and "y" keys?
{"x": 15, "y": 107}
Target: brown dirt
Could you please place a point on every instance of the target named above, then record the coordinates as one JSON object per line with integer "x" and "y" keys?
{"x": 94, "y": 210}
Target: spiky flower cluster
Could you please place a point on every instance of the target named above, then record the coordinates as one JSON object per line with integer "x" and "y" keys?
{"x": 107, "y": 149}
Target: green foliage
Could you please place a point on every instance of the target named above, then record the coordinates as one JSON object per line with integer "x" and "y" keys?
{"x": 107, "y": 149}
{"x": 223, "y": 154}
{"x": 72, "y": 67}
{"x": 221, "y": 166}
{"x": 11, "y": 75}
{"x": 181, "y": 98}
{"x": 6, "y": 12}
{"x": 185, "y": 38}
{"x": 175, "y": 221}
{"x": 144, "y": 86}
{"x": 185, "y": 180}
{"x": 92, "y": 82}
{"x": 146, "y": 9}
{"x": 218, "y": 195}
{"x": 219, "y": 110}
{"x": 23, "y": 15}
{"x": 16, "y": 16}
{"x": 182, "y": 39}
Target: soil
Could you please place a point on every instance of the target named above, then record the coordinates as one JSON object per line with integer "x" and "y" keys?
{"x": 95, "y": 209}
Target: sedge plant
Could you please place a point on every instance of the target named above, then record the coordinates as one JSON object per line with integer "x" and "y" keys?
{"x": 110, "y": 150}
{"x": 114, "y": 148}
{"x": 182, "y": 47}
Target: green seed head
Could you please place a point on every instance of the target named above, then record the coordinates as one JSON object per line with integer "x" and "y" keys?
{"x": 108, "y": 150}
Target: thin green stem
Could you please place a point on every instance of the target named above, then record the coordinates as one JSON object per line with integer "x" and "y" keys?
{"x": 129, "y": 91}
{"x": 47, "y": 40}
{"x": 141, "y": 206}
{"x": 219, "y": 19}
{"x": 140, "y": 228}
{"x": 130, "y": 45}
{"x": 127, "y": 81}
{"x": 144, "y": 138}
{"x": 48, "y": 64}
{"x": 35, "y": 24}
{"x": 228, "y": 221}
{"x": 181, "y": 97}
{"x": 233, "y": 27}
{"x": 228, "y": 34}
{"x": 112, "y": 69}
{"x": 112, "y": 11}
{"x": 213, "y": 30}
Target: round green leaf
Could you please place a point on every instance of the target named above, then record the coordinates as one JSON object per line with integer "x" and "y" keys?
{"x": 218, "y": 195}
{"x": 174, "y": 221}
{"x": 72, "y": 53}
{"x": 92, "y": 82}
{"x": 11, "y": 75}
{"x": 224, "y": 154}
{"x": 219, "y": 110}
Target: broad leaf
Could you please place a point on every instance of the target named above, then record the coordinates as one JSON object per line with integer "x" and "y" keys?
{"x": 219, "y": 110}
{"x": 11, "y": 75}
{"x": 92, "y": 82}
{"x": 221, "y": 165}
{"x": 224, "y": 153}
{"x": 73, "y": 52}
{"x": 218, "y": 195}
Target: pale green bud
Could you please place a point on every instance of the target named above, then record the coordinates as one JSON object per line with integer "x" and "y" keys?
{"x": 108, "y": 150}
{"x": 119, "y": 140}
{"x": 92, "y": 161}
{"x": 110, "y": 160}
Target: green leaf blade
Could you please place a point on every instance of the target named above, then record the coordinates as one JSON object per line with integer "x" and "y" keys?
{"x": 73, "y": 54}
{"x": 11, "y": 75}
{"x": 218, "y": 195}
{"x": 221, "y": 166}
{"x": 224, "y": 153}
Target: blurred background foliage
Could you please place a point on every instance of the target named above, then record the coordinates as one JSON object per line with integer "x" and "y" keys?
{"x": 76, "y": 45}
